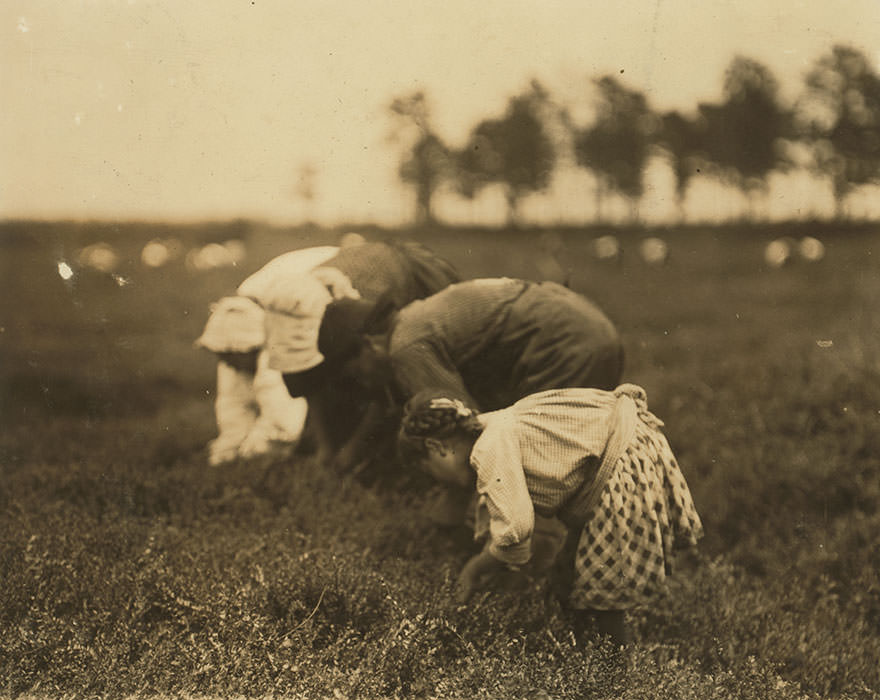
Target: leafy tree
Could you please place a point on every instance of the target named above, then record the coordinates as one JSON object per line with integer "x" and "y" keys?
{"x": 515, "y": 151}
{"x": 840, "y": 115}
{"x": 743, "y": 135}
{"x": 428, "y": 160}
{"x": 681, "y": 139}
{"x": 617, "y": 145}
{"x": 306, "y": 188}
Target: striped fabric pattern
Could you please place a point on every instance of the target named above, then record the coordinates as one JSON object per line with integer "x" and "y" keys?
{"x": 534, "y": 456}
{"x": 541, "y": 452}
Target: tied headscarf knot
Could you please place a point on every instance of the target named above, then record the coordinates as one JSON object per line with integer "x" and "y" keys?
{"x": 640, "y": 399}
{"x": 461, "y": 410}
{"x": 438, "y": 417}
{"x": 629, "y": 407}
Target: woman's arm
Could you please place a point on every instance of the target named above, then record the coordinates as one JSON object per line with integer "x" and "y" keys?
{"x": 235, "y": 411}
{"x": 423, "y": 365}
{"x": 505, "y": 501}
{"x": 281, "y": 417}
{"x": 354, "y": 452}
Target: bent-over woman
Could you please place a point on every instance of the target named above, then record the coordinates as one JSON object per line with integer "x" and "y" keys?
{"x": 255, "y": 414}
{"x": 310, "y": 345}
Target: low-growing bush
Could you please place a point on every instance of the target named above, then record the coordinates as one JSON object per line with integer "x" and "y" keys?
{"x": 131, "y": 568}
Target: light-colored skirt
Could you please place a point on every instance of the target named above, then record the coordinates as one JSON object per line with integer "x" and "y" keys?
{"x": 645, "y": 512}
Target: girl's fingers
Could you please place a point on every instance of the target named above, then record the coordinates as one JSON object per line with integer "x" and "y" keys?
{"x": 464, "y": 587}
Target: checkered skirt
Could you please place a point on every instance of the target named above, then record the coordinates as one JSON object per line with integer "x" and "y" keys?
{"x": 645, "y": 512}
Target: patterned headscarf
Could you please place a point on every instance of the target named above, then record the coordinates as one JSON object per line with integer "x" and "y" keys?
{"x": 437, "y": 418}
{"x": 437, "y": 414}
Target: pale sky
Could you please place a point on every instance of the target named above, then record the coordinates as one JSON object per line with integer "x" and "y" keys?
{"x": 176, "y": 109}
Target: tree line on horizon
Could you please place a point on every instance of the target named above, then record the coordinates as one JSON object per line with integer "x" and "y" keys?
{"x": 832, "y": 129}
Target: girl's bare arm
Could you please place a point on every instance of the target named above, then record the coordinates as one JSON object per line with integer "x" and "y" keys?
{"x": 477, "y": 567}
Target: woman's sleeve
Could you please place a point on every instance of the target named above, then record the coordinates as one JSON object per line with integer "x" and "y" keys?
{"x": 504, "y": 495}
{"x": 281, "y": 416}
{"x": 424, "y": 365}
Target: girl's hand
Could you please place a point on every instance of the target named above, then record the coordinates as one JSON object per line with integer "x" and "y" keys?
{"x": 345, "y": 459}
{"x": 465, "y": 585}
{"x": 473, "y": 573}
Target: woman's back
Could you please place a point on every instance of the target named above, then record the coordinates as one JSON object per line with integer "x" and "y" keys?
{"x": 401, "y": 271}
{"x": 498, "y": 340}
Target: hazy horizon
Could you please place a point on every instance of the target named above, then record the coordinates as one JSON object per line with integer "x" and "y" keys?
{"x": 150, "y": 111}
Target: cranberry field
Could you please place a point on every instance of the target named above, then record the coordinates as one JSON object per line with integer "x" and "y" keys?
{"x": 131, "y": 568}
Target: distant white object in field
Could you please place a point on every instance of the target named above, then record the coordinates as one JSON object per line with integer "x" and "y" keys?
{"x": 549, "y": 256}
{"x": 209, "y": 257}
{"x": 237, "y": 250}
{"x": 192, "y": 260}
{"x": 99, "y": 256}
{"x": 606, "y": 247}
{"x": 65, "y": 271}
{"x": 811, "y": 249}
{"x": 653, "y": 250}
{"x": 777, "y": 252}
{"x": 161, "y": 251}
{"x": 351, "y": 238}
{"x": 216, "y": 255}
{"x": 155, "y": 253}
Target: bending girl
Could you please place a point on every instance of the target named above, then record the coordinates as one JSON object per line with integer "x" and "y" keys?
{"x": 595, "y": 459}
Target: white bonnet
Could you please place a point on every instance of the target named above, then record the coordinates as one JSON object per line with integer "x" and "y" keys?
{"x": 236, "y": 324}
{"x": 294, "y": 310}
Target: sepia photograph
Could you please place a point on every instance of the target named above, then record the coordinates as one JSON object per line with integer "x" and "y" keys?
{"x": 493, "y": 350}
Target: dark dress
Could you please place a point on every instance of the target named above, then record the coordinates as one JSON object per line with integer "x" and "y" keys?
{"x": 496, "y": 341}
{"x": 402, "y": 270}
{"x": 339, "y": 391}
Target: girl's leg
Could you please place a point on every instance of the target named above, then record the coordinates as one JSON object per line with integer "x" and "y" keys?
{"x": 608, "y": 661}
{"x": 612, "y": 623}
{"x": 607, "y": 623}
